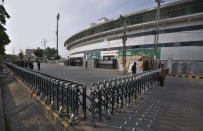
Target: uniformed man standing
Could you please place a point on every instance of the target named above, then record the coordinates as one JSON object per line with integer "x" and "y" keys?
{"x": 162, "y": 75}
{"x": 38, "y": 64}
{"x": 134, "y": 68}
{"x": 86, "y": 64}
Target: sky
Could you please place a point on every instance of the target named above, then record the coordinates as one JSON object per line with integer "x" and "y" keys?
{"x": 34, "y": 20}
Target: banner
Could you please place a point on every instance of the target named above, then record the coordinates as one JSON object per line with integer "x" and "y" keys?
{"x": 139, "y": 52}
{"x": 92, "y": 55}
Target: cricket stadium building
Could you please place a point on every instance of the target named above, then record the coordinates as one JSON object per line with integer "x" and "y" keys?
{"x": 180, "y": 45}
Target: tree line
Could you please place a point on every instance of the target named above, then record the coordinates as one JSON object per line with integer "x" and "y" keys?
{"x": 49, "y": 53}
{"x": 4, "y": 38}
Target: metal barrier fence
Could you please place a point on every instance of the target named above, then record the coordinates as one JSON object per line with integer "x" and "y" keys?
{"x": 110, "y": 96}
{"x": 68, "y": 98}
{"x": 72, "y": 101}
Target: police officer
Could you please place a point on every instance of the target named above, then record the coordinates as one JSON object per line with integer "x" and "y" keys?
{"x": 134, "y": 68}
{"x": 38, "y": 64}
{"x": 31, "y": 65}
{"x": 86, "y": 64}
{"x": 162, "y": 74}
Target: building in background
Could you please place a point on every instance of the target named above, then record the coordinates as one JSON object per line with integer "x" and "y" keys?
{"x": 180, "y": 37}
{"x": 29, "y": 52}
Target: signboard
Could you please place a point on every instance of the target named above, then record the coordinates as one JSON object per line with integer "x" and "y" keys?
{"x": 109, "y": 53}
{"x": 92, "y": 55}
{"x": 139, "y": 52}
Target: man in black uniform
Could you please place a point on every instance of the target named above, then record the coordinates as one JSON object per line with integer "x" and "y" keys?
{"x": 134, "y": 68}
{"x": 31, "y": 66}
{"x": 38, "y": 64}
{"x": 162, "y": 75}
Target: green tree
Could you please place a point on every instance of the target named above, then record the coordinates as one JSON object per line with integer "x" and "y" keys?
{"x": 39, "y": 52}
{"x": 57, "y": 57}
{"x": 4, "y": 38}
{"x": 21, "y": 55}
{"x": 50, "y": 52}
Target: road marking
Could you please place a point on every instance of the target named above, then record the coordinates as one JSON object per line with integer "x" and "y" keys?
{"x": 183, "y": 76}
{"x": 64, "y": 123}
{"x": 37, "y": 98}
{"x": 189, "y": 76}
{"x": 32, "y": 93}
{"x": 55, "y": 115}
{"x": 197, "y": 77}
{"x": 48, "y": 108}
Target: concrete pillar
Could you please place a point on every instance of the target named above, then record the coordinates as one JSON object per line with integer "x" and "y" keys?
{"x": 169, "y": 65}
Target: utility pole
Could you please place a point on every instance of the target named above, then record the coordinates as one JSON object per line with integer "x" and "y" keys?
{"x": 124, "y": 43}
{"x": 156, "y": 33}
{"x": 57, "y": 19}
{"x": 44, "y": 41}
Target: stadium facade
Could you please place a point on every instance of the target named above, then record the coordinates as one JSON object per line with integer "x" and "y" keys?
{"x": 180, "y": 37}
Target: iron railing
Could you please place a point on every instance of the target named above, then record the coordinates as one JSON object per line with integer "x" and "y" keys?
{"x": 73, "y": 101}
{"x": 68, "y": 98}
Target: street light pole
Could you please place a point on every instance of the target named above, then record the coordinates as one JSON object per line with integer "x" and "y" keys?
{"x": 156, "y": 32}
{"x": 124, "y": 43}
{"x": 57, "y": 19}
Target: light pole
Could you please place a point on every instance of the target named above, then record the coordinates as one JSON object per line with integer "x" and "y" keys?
{"x": 124, "y": 43}
{"x": 156, "y": 32}
{"x": 57, "y": 19}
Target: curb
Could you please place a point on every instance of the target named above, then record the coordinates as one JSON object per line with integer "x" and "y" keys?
{"x": 115, "y": 70}
{"x": 2, "y": 121}
{"x": 59, "y": 123}
{"x": 186, "y": 76}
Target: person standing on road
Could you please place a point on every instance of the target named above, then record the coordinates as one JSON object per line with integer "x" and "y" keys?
{"x": 134, "y": 68}
{"x": 38, "y": 64}
{"x": 86, "y": 65}
{"x": 162, "y": 75}
{"x": 31, "y": 66}
{"x": 26, "y": 64}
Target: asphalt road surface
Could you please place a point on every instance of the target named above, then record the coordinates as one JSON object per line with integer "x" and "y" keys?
{"x": 175, "y": 107}
{"x": 79, "y": 74}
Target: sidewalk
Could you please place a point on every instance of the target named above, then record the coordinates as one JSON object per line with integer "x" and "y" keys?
{"x": 3, "y": 75}
{"x": 20, "y": 113}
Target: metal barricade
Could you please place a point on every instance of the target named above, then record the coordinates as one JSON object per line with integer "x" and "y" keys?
{"x": 68, "y": 98}
{"x": 72, "y": 101}
{"x": 110, "y": 96}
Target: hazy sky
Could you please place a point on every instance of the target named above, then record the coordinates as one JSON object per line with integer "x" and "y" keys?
{"x": 34, "y": 20}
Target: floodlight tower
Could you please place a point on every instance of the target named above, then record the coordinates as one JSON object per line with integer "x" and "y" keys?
{"x": 124, "y": 43}
{"x": 57, "y": 19}
{"x": 156, "y": 32}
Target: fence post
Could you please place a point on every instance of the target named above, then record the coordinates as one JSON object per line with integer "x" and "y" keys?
{"x": 100, "y": 101}
{"x": 84, "y": 101}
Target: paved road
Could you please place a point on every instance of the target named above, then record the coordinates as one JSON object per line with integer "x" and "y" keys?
{"x": 79, "y": 74}
{"x": 175, "y": 107}
{"x": 20, "y": 113}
